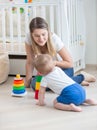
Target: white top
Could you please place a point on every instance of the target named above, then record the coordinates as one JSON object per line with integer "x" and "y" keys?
{"x": 56, "y": 80}
{"x": 55, "y": 39}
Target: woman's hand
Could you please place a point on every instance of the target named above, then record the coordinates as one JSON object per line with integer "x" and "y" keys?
{"x": 27, "y": 83}
{"x": 67, "y": 61}
{"x": 55, "y": 62}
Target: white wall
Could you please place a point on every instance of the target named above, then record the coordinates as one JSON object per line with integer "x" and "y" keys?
{"x": 91, "y": 31}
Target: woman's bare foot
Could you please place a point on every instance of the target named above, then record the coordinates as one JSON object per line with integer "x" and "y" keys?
{"x": 75, "y": 108}
{"x": 88, "y": 77}
{"x": 85, "y": 83}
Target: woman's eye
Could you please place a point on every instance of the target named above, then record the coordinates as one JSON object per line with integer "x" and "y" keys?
{"x": 43, "y": 34}
{"x": 37, "y": 36}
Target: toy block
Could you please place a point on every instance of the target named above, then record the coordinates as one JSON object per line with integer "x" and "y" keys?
{"x": 37, "y": 87}
{"x": 36, "y": 94}
{"x": 38, "y": 78}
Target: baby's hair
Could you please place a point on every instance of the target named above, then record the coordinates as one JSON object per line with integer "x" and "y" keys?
{"x": 44, "y": 63}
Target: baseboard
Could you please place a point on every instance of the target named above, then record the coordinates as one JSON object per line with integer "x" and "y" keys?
{"x": 91, "y": 66}
{"x": 17, "y": 66}
{"x": 17, "y": 57}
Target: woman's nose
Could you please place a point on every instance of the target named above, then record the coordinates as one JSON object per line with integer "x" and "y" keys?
{"x": 41, "y": 38}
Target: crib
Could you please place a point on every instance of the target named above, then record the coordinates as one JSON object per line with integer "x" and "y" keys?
{"x": 65, "y": 18}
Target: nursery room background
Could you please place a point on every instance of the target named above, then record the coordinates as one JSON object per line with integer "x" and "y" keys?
{"x": 71, "y": 20}
{"x": 75, "y": 21}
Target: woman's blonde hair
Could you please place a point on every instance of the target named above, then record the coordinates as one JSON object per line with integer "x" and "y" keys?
{"x": 40, "y": 23}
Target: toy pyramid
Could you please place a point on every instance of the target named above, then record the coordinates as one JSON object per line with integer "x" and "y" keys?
{"x": 18, "y": 86}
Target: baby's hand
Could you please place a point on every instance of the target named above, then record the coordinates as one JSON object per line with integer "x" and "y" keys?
{"x": 40, "y": 104}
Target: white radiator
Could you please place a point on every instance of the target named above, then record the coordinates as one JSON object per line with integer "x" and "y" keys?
{"x": 65, "y": 18}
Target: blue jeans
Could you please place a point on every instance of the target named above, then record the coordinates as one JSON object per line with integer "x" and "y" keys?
{"x": 70, "y": 72}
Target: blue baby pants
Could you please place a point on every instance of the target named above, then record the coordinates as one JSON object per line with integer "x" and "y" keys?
{"x": 74, "y": 93}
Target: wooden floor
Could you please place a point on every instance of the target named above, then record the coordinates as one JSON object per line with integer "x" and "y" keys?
{"x": 23, "y": 114}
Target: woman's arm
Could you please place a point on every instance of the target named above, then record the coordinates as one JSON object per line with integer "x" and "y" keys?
{"x": 67, "y": 61}
{"x": 41, "y": 96}
{"x": 29, "y": 64}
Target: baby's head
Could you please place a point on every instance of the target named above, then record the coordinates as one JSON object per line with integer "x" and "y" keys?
{"x": 44, "y": 63}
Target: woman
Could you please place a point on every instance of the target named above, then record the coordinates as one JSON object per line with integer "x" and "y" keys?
{"x": 41, "y": 41}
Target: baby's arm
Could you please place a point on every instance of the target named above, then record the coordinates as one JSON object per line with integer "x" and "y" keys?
{"x": 41, "y": 96}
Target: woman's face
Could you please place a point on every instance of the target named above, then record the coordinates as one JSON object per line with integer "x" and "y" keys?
{"x": 40, "y": 36}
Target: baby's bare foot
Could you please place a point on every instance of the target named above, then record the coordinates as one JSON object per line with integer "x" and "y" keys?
{"x": 75, "y": 108}
{"x": 91, "y": 102}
